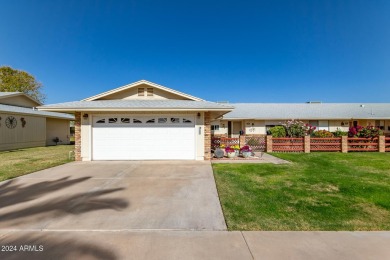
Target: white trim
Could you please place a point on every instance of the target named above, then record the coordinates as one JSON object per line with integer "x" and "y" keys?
{"x": 90, "y": 137}
{"x": 135, "y": 84}
{"x": 154, "y": 109}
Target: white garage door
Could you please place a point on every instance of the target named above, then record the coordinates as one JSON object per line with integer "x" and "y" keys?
{"x": 143, "y": 138}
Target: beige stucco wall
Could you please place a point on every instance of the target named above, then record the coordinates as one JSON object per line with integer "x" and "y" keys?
{"x": 31, "y": 135}
{"x": 132, "y": 93}
{"x": 337, "y": 124}
{"x": 57, "y": 128}
{"x": 253, "y": 127}
{"x": 199, "y": 137}
{"x": 86, "y": 130}
{"x": 223, "y": 127}
{"x": 387, "y": 126}
{"x": 20, "y": 101}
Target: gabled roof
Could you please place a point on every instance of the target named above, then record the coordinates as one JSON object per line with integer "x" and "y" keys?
{"x": 34, "y": 112}
{"x": 137, "y": 105}
{"x": 135, "y": 84}
{"x": 285, "y": 111}
{"x": 14, "y": 94}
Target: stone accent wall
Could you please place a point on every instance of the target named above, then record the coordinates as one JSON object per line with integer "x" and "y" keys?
{"x": 344, "y": 144}
{"x": 77, "y": 136}
{"x": 207, "y": 136}
{"x": 269, "y": 144}
{"x": 382, "y": 144}
{"x": 307, "y": 144}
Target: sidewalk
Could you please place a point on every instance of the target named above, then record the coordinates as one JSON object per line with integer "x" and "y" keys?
{"x": 196, "y": 245}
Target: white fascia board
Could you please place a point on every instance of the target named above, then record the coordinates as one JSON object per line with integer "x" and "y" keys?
{"x": 131, "y": 109}
{"x": 132, "y": 85}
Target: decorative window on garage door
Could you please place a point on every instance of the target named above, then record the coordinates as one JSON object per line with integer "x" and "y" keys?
{"x": 112, "y": 120}
{"x": 142, "y": 121}
{"x": 125, "y": 120}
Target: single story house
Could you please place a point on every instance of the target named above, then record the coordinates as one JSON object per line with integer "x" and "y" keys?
{"x": 147, "y": 121}
{"x": 258, "y": 118}
{"x": 22, "y": 125}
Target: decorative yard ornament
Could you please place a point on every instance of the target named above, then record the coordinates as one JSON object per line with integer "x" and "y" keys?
{"x": 23, "y": 122}
{"x": 219, "y": 153}
{"x": 11, "y": 122}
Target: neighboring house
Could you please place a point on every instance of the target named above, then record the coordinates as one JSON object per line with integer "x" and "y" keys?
{"x": 22, "y": 125}
{"x": 258, "y": 118}
{"x": 147, "y": 121}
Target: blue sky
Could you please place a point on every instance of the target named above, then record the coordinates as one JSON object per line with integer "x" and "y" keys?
{"x": 239, "y": 51}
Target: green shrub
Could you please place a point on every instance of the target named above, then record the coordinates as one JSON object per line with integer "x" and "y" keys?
{"x": 339, "y": 133}
{"x": 322, "y": 134}
{"x": 278, "y": 131}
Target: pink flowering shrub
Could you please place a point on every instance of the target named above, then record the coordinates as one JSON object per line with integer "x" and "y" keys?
{"x": 296, "y": 128}
{"x": 245, "y": 148}
{"x": 365, "y": 132}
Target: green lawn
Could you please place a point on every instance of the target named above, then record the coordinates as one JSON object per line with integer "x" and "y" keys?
{"x": 20, "y": 162}
{"x": 318, "y": 191}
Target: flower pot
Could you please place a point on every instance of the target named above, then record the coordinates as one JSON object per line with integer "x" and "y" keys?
{"x": 246, "y": 154}
{"x": 231, "y": 155}
{"x": 219, "y": 153}
{"x": 237, "y": 152}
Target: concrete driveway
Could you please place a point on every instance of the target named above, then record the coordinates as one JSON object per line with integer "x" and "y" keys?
{"x": 147, "y": 210}
{"x": 108, "y": 196}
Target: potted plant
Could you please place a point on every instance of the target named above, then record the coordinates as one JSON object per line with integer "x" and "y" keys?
{"x": 236, "y": 149}
{"x": 246, "y": 151}
{"x": 231, "y": 153}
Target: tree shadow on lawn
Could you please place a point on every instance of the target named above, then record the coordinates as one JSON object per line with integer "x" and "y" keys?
{"x": 54, "y": 246}
{"x": 12, "y": 194}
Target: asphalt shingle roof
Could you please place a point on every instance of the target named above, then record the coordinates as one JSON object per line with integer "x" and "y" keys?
{"x": 309, "y": 111}
{"x": 138, "y": 104}
{"x": 30, "y": 111}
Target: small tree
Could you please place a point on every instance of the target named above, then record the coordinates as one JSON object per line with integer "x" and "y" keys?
{"x": 12, "y": 80}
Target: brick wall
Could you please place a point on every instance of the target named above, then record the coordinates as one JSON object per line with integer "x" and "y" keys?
{"x": 77, "y": 136}
{"x": 207, "y": 136}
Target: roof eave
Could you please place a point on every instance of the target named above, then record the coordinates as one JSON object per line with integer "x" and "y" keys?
{"x": 38, "y": 115}
{"x": 75, "y": 109}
